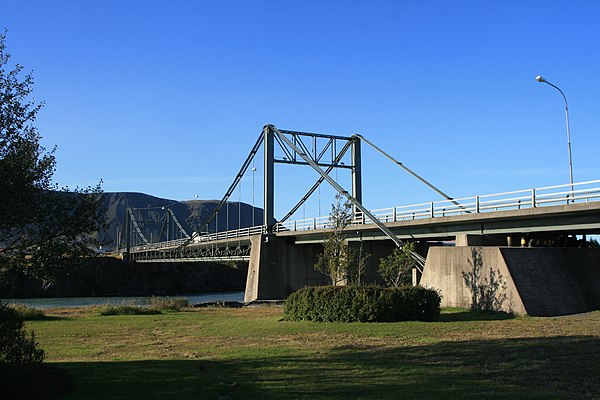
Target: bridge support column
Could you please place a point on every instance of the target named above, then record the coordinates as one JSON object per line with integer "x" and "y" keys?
{"x": 356, "y": 171}
{"x": 269, "y": 171}
{"x": 278, "y": 267}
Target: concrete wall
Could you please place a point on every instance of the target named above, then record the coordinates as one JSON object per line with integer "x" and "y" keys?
{"x": 278, "y": 267}
{"x": 376, "y": 249}
{"x": 444, "y": 271}
{"x": 555, "y": 281}
{"x": 539, "y": 281}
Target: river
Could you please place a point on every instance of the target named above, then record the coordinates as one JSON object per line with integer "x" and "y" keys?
{"x": 70, "y": 302}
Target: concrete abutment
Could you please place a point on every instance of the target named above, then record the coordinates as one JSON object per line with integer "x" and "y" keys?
{"x": 538, "y": 281}
{"x": 278, "y": 267}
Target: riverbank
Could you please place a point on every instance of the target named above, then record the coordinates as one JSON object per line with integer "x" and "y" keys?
{"x": 107, "y": 276}
{"x": 251, "y": 353}
{"x": 196, "y": 299}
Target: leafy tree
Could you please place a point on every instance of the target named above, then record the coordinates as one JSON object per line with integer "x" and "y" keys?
{"x": 337, "y": 257}
{"x": 41, "y": 225}
{"x": 396, "y": 269}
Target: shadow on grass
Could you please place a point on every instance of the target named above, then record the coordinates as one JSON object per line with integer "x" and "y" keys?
{"x": 461, "y": 316}
{"x": 41, "y": 382}
{"x": 547, "y": 368}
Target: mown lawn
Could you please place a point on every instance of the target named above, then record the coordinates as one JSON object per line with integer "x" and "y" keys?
{"x": 251, "y": 353}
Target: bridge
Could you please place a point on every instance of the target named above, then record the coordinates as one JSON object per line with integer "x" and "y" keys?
{"x": 546, "y": 216}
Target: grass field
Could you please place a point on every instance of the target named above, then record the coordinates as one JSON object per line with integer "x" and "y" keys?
{"x": 251, "y": 353}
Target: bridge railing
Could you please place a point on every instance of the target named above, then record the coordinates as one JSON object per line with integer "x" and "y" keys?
{"x": 158, "y": 245}
{"x": 529, "y": 198}
{"x": 231, "y": 234}
{"x": 304, "y": 224}
{"x": 202, "y": 238}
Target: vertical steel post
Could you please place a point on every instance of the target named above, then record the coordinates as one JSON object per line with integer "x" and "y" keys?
{"x": 356, "y": 172}
{"x": 269, "y": 190}
{"x": 127, "y": 232}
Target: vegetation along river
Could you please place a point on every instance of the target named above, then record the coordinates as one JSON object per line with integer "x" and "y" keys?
{"x": 70, "y": 302}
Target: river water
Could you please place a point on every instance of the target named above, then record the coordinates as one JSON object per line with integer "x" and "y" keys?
{"x": 68, "y": 302}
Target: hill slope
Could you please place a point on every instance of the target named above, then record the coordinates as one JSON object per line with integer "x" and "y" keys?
{"x": 190, "y": 214}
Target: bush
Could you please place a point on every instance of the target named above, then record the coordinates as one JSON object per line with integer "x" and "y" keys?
{"x": 362, "y": 304}
{"x": 169, "y": 303}
{"x": 123, "y": 309}
{"x": 27, "y": 313}
{"x": 20, "y": 354}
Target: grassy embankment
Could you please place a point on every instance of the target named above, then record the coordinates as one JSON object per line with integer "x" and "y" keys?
{"x": 251, "y": 354}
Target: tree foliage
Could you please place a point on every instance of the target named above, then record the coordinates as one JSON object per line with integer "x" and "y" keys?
{"x": 337, "y": 257}
{"x": 41, "y": 224}
{"x": 396, "y": 269}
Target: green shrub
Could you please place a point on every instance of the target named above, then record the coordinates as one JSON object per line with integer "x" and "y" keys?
{"x": 16, "y": 346}
{"x": 123, "y": 309}
{"x": 362, "y": 304}
{"x": 169, "y": 303}
{"x": 20, "y": 354}
{"x": 27, "y": 313}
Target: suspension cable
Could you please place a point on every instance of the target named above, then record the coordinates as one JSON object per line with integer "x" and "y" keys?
{"x": 392, "y": 159}
{"x": 178, "y": 224}
{"x": 135, "y": 224}
{"x": 238, "y": 177}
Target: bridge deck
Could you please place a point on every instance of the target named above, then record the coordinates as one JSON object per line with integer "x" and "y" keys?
{"x": 564, "y": 208}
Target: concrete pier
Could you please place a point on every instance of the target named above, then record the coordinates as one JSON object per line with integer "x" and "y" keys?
{"x": 277, "y": 267}
{"x": 539, "y": 281}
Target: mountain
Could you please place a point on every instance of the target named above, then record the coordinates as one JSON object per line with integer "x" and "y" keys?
{"x": 150, "y": 213}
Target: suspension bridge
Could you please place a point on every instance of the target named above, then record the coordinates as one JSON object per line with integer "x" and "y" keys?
{"x": 282, "y": 251}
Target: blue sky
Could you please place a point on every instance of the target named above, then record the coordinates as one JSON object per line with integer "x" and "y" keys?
{"x": 167, "y": 97}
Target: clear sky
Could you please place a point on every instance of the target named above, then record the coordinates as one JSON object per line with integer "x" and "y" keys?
{"x": 167, "y": 97}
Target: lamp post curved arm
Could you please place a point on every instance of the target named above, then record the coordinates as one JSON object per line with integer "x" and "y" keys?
{"x": 540, "y": 79}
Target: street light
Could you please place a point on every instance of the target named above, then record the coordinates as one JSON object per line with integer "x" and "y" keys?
{"x": 540, "y": 79}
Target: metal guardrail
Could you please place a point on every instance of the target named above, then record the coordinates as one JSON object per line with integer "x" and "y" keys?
{"x": 583, "y": 192}
{"x": 205, "y": 238}
{"x": 232, "y": 234}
